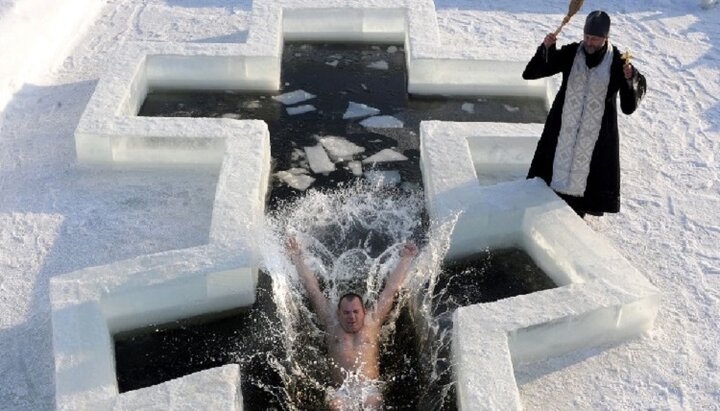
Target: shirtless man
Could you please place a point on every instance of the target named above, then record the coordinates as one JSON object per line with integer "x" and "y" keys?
{"x": 353, "y": 334}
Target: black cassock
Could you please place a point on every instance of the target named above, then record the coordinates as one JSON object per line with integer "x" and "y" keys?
{"x": 602, "y": 193}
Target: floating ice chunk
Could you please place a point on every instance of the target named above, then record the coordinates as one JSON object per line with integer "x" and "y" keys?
{"x": 306, "y": 108}
{"x": 357, "y": 110}
{"x": 379, "y": 65}
{"x": 355, "y": 167}
{"x": 297, "y": 171}
{"x": 469, "y": 107}
{"x": 364, "y": 87}
{"x": 234, "y": 116}
{"x": 333, "y": 63}
{"x": 251, "y": 104}
{"x": 385, "y": 156}
{"x": 318, "y": 158}
{"x": 294, "y": 97}
{"x": 385, "y": 178}
{"x": 511, "y": 109}
{"x": 296, "y": 178}
{"x": 392, "y": 49}
{"x": 382, "y": 122}
{"x": 340, "y": 149}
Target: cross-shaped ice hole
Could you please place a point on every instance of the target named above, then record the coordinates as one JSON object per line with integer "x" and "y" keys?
{"x": 89, "y": 304}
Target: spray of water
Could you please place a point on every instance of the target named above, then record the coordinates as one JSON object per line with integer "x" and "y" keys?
{"x": 351, "y": 239}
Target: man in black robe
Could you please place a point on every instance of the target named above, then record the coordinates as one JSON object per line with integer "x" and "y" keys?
{"x": 578, "y": 154}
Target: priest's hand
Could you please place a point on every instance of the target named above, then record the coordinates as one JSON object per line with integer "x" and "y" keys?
{"x": 550, "y": 39}
{"x": 629, "y": 71}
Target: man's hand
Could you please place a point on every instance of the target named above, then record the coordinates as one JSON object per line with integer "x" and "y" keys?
{"x": 409, "y": 250}
{"x": 628, "y": 70}
{"x": 550, "y": 39}
{"x": 292, "y": 247}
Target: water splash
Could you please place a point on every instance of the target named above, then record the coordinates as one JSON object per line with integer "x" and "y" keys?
{"x": 351, "y": 239}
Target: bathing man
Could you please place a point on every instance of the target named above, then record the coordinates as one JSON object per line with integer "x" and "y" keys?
{"x": 353, "y": 334}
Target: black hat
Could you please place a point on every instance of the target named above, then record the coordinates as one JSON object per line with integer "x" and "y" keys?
{"x": 597, "y": 24}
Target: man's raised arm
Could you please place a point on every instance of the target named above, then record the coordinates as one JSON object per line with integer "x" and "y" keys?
{"x": 319, "y": 303}
{"x": 394, "y": 282}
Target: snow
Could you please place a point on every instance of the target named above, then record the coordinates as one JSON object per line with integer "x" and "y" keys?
{"x": 57, "y": 216}
{"x": 357, "y": 110}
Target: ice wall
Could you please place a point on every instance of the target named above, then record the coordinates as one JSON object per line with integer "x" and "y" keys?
{"x": 109, "y": 131}
{"x": 90, "y": 305}
{"x": 601, "y": 297}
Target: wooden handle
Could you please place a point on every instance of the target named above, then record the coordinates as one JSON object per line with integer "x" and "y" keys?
{"x": 564, "y": 22}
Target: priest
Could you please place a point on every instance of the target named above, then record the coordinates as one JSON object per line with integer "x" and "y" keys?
{"x": 578, "y": 153}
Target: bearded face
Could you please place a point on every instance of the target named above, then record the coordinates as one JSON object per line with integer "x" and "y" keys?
{"x": 593, "y": 43}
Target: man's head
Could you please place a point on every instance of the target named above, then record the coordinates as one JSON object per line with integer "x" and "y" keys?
{"x": 351, "y": 313}
{"x": 597, "y": 30}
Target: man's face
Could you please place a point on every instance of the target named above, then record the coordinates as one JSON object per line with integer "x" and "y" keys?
{"x": 351, "y": 315}
{"x": 593, "y": 43}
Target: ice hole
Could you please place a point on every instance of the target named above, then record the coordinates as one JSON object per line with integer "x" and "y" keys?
{"x": 349, "y": 81}
{"x": 492, "y": 275}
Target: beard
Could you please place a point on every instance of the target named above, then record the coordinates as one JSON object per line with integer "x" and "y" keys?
{"x": 591, "y": 49}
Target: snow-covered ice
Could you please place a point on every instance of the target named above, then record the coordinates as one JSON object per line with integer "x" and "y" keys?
{"x": 252, "y": 104}
{"x": 296, "y": 178}
{"x": 319, "y": 161}
{"x": 379, "y": 65}
{"x": 386, "y": 155}
{"x": 355, "y": 167}
{"x": 382, "y": 122}
{"x": 339, "y": 148}
{"x": 357, "y": 110}
{"x": 302, "y": 109}
{"x": 294, "y": 97}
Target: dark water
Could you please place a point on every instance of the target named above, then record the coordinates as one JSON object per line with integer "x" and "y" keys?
{"x": 305, "y": 67}
{"x": 252, "y": 339}
{"x": 490, "y": 276}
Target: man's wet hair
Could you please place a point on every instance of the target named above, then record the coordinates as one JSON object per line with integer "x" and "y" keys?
{"x": 350, "y": 296}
